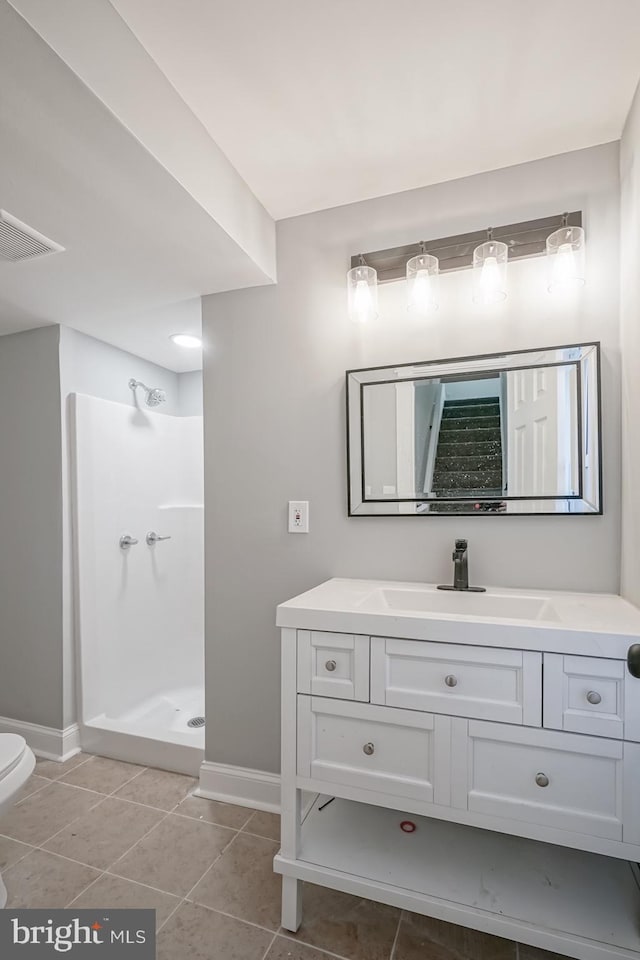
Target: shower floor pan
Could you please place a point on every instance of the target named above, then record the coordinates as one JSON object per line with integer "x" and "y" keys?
{"x": 155, "y": 733}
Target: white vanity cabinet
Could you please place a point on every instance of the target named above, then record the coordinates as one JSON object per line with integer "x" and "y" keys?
{"x": 521, "y": 759}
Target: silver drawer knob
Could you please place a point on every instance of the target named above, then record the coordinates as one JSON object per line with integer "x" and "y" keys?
{"x": 451, "y": 681}
{"x": 542, "y": 779}
{"x": 594, "y": 697}
{"x": 368, "y": 749}
{"x": 330, "y": 665}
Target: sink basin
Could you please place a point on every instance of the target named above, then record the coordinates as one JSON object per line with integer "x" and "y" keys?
{"x": 429, "y": 600}
{"x": 580, "y": 624}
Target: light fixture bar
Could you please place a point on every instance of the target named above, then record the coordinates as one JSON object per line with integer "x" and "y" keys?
{"x": 526, "y": 239}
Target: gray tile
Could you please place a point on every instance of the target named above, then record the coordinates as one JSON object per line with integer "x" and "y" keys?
{"x": 11, "y": 851}
{"x": 348, "y": 926}
{"x": 102, "y": 774}
{"x": 53, "y": 769}
{"x": 114, "y": 893}
{"x": 421, "y": 937}
{"x": 33, "y": 784}
{"x": 158, "y": 788}
{"x": 243, "y": 884}
{"x": 264, "y": 825}
{"x": 534, "y": 953}
{"x": 44, "y": 880}
{"x": 226, "y": 814}
{"x": 105, "y": 833}
{"x": 174, "y": 855}
{"x": 283, "y": 949}
{"x": 42, "y": 814}
{"x": 195, "y": 933}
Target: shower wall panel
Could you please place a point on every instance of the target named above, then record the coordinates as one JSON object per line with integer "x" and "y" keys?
{"x": 139, "y": 612}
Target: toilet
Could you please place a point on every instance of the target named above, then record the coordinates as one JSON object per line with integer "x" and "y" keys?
{"x": 16, "y": 766}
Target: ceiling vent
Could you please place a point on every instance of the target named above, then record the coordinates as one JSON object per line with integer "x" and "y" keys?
{"x": 20, "y": 242}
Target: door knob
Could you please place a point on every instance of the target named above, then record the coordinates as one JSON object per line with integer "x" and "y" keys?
{"x": 594, "y": 697}
{"x": 368, "y": 749}
{"x": 451, "y": 681}
{"x": 542, "y": 779}
{"x": 330, "y": 665}
{"x": 633, "y": 660}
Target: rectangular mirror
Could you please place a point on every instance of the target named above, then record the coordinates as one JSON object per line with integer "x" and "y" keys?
{"x": 501, "y": 433}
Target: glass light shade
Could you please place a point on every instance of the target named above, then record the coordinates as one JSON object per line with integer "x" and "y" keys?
{"x": 362, "y": 289}
{"x": 422, "y": 284}
{"x": 490, "y": 272}
{"x": 565, "y": 258}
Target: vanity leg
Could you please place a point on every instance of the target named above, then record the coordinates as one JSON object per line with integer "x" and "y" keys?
{"x": 291, "y": 903}
{"x": 290, "y": 796}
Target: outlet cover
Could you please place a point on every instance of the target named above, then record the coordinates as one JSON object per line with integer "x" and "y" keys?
{"x": 298, "y": 516}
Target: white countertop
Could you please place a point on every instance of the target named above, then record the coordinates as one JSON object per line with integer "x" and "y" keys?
{"x": 587, "y": 624}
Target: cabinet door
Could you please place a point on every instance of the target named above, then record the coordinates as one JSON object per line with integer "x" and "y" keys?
{"x": 333, "y": 665}
{"x": 560, "y": 780}
{"x": 591, "y": 695}
{"x": 486, "y": 683}
{"x": 631, "y": 803}
{"x": 374, "y": 748}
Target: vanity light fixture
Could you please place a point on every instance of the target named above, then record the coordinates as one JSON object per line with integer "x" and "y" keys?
{"x": 490, "y": 271}
{"x": 362, "y": 289}
{"x": 565, "y": 257}
{"x": 422, "y": 283}
{"x": 487, "y": 252}
{"x": 187, "y": 340}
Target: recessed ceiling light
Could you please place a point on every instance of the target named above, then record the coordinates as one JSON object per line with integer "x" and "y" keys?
{"x": 186, "y": 340}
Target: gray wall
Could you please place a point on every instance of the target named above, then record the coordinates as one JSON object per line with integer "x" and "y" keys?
{"x": 30, "y": 528}
{"x": 274, "y": 421}
{"x": 96, "y": 368}
{"x": 100, "y": 370}
{"x": 190, "y": 393}
{"x": 630, "y": 343}
{"x": 468, "y": 389}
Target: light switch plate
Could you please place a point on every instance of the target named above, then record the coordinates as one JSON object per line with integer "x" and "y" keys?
{"x": 298, "y": 516}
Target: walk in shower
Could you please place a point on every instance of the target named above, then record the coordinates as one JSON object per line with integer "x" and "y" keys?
{"x": 139, "y": 580}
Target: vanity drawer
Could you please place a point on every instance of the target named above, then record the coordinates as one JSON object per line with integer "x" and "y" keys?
{"x": 589, "y": 695}
{"x": 482, "y": 682}
{"x": 374, "y": 748}
{"x": 560, "y": 780}
{"x": 333, "y": 665}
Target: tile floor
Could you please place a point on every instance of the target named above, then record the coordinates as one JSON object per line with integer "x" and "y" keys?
{"x": 99, "y": 833}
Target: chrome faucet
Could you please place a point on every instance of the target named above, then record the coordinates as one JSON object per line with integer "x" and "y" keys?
{"x": 461, "y": 570}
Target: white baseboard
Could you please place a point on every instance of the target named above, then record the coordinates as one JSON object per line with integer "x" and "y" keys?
{"x": 246, "y": 788}
{"x": 46, "y": 742}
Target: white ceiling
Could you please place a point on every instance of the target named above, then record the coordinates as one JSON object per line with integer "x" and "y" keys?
{"x": 140, "y": 249}
{"x": 147, "y": 136}
{"x": 324, "y": 103}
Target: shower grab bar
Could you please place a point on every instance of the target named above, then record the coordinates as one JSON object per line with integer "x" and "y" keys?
{"x": 153, "y": 537}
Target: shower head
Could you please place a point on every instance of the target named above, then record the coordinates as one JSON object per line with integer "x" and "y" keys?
{"x": 154, "y": 396}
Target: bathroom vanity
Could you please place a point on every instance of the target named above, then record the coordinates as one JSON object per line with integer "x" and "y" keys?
{"x": 474, "y": 757}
